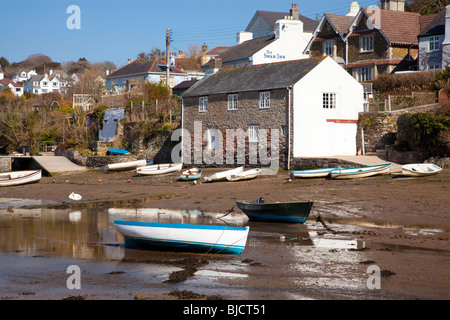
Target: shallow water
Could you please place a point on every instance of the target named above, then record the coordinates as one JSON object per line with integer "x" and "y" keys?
{"x": 280, "y": 261}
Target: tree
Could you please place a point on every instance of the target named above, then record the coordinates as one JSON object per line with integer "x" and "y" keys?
{"x": 154, "y": 53}
{"x": 426, "y": 6}
{"x": 4, "y": 62}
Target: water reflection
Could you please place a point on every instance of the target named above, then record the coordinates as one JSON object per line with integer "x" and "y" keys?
{"x": 87, "y": 233}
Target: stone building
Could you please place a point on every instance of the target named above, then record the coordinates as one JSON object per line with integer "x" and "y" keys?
{"x": 270, "y": 114}
{"x": 373, "y": 42}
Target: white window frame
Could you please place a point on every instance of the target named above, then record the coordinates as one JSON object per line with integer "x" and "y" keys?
{"x": 232, "y": 102}
{"x": 253, "y": 133}
{"x": 365, "y": 73}
{"x": 328, "y": 47}
{"x": 264, "y": 100}
{"x": 434, "y": 43}
{"x": 329, "y": 100}
{"x": 435, "y": 66}
{"x": 366, "y": 43}
{"x": 203, "y": 104}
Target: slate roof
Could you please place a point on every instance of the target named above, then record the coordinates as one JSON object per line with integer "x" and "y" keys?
{"x": 436, "y": 26}
{"x": 245, "y": 49}
{"x": 271, "y": 17}
{"x": 143, "y": 66}
{"x": 253, "y": 78}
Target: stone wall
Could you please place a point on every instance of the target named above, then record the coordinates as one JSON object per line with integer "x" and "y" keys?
{"x": 5, "y": 164}
{"x": 220, "y": 118}
{"x": 381, "y": 129}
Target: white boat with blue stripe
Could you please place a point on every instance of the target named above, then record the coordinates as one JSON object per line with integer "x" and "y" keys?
{"x": 183, "y": 237}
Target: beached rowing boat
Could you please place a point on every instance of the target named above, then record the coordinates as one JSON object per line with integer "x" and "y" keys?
{"x": 297, "y": 212}
{"x": 245, "y": 175}
{"x": 123, "y": 166}
{"x": 191, "y": 174}
{"x": 312, "y": 173}
{"x": 183, "y": 237}
{"x": 222, "y": 175}
{"x": 14, "y": 178}
{"x": 360, "y": 172}
{"x": 162, "y": 168}
{"x": 420, "y": 169}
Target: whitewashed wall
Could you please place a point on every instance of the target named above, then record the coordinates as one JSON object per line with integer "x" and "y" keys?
{"x": 312, "y": 135}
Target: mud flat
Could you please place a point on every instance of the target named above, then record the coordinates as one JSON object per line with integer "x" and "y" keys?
{"x": 398, "y": 225}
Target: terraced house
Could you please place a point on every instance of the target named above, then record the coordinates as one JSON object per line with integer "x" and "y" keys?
{"x": 373, "y": 41}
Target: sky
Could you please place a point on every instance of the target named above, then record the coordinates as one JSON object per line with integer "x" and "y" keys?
{"x": 118, "y": 30}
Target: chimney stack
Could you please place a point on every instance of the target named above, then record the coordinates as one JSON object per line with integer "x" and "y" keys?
{"x": 295, "y": 12}
{"x": 243, "y": 36}
{"x": 129, "y": 61}
{"x": 393, "y": 5}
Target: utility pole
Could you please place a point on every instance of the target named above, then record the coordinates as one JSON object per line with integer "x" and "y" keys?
{"x": 168, "y": 58}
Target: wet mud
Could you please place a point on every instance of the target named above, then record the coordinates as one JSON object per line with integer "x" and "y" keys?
{"x": 398, "y": 225}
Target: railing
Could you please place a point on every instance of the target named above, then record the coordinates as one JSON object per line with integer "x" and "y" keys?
{"x": 399, "y": 102}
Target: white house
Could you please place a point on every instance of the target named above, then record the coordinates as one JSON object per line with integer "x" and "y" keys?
{"x": 23, "y": 75}
{"x": 16, "y": 88}
{"x": 263, "y": 23}
{"x": 312, "y": 103}
{"x": 39, "y": 84}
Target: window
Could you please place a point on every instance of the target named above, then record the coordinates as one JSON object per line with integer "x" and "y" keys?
{"x": 365, "y": 73}
{"x": 264, "y": 100}
{"x": 44, "y": 83}
{"x": 253, "y": 133}
{"x": 434, "y": 66}
{"x": 434, "y": 43}
{"x": 329, "y": 100}
{"x": 213, "y": 139}
{"x": 203, "y": 104}
{"x": 55, "y": 84}
{"x": 366, "y": 43}
{"x": 328, "y": 48}
{"x": 232, "y": 102}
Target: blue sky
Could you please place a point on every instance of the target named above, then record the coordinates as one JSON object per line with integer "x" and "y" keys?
{"x": 116, "y": 30}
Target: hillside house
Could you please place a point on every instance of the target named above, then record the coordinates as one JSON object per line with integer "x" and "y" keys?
{"x": 434, "y": 42}
{"x": 23, "y": 75}
{"x": 15, "y": 88}
{"x": 263, "y": 23}
{"x": 375, "y": 41}
{"x": 269, "y": 37}
{"x": 138, "y": 72}
{"x": 308, "y": 108}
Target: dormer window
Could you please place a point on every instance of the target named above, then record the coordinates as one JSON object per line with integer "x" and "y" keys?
{"x": 366, "y": 43}
{"x": 328, "y": 48}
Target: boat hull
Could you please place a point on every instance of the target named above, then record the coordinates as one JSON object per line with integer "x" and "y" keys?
{"x": 360, "y": 172}
{"x": 156, "y": 169}
{"x": 313, "y": 173}
{"x": 183, "y": 237}
{"x": 222, "y": 176}
{"x": 420, "y": 169}
{"x": 296, "y": 212}
{"x": 244, "y": 175}
{"x": 191, "y": 174}
{"x": 14, "y": 178}
{"x": 124, "y": 166}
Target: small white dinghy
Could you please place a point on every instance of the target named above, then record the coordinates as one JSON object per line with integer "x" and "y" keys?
{"x": 420, "y": 169}
{"x": 123, "y": 166}
{"x": 222, "y": 175}
{"x": 162, "y": 168}
{"x": 183, "y": 237}
{"x": 14, "y": 178}
{"x": 245, "y": 175}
